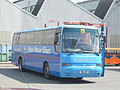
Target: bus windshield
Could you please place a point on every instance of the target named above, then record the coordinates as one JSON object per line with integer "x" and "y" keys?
{"x": 80, "y": 40}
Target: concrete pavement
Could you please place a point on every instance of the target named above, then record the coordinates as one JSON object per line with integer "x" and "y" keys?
{"x": 11, "y": 77}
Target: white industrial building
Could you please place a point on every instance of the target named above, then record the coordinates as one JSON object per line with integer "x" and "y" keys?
{"x": 112, "y": 20}
{"x": 90, "y": 5}
{"x": 13, "y": 18}
{"x": 109, "y": 11}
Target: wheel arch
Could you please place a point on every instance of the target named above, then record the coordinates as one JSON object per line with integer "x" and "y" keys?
{"x": 44, "y": 64}
{"x": 19, "y": 58}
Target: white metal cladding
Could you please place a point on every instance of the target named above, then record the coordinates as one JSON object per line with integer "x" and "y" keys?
{"x": 64, "y": 10}
{"x": 12, "y": 18}
{"x": 5, "y": 37}
{"x": 112, "y": 21}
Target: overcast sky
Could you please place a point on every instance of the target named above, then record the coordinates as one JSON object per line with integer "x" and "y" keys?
{"x": 71, "y": 0}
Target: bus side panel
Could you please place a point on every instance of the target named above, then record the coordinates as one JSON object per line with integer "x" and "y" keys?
{"x": 36, "y": 55}
{"x": 13, "y": 56}
{"x": 17, "y": 51}
{"x": 54, "y": 65}
{"x": 14, "y": 60}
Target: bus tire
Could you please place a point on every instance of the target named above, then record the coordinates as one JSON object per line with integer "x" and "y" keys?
{"x": 20, "y": 65}
{"x": 116, "y": 64}
{"x": 80, "y": 78}
{"x": 46, "y": 71}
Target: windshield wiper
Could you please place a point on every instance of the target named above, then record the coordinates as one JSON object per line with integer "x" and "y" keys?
{"x": 74, "y": 50}
{"x": 96, "y": 53}
{"x": 91, "y": 51}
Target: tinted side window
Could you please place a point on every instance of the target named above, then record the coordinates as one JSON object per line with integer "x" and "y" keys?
{"x": 17, "y": 38}
{"x": 57, "y": 41}
{"x": 49, "y": 37}
{"x": 38, "y": 37}
{"x": 30, "y": 38}
{"x": 14, "y": 38}
{"x": 22, "y": 38}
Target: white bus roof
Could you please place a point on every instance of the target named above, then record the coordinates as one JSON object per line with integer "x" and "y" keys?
{"x": 62, "y": 26}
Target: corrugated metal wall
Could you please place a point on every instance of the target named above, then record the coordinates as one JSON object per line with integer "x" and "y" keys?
{"x": 112, "y": 21}
{"x": 5, "y": 37}
{"x": 64, "y": 10}
{"x": 13, "y": 18}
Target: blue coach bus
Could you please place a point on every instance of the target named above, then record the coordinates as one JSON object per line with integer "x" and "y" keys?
{"x": 67, "y": 51}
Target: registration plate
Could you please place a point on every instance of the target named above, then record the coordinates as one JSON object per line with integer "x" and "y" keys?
{"x": 84, "y": 71}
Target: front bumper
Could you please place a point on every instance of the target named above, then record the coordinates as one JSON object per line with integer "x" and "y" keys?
{"x": 81, "y": 71}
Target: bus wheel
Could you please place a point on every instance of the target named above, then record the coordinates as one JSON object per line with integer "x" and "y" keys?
{"x": 80, "y": 78}
{"x": 116, "y": 64}
{"x": 46, "y": 71}
{"x": 20, "y": 65}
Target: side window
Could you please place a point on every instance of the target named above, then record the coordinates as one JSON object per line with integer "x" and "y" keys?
{"x": 57, "y": 41}
{"x": 14, "y": 39}
{"x": 30, "y": 38}
{"x": 22, "y": 38}
{"x": 49, "y": 37}
{"x": 17, "y": 38}
{"x": 38, "y": 37}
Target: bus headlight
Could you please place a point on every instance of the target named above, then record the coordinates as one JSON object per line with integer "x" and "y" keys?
{"x": 66, "y": 64}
